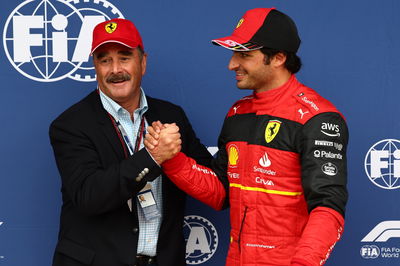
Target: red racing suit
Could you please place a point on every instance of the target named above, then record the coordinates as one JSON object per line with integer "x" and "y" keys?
{"x": 281, "y": 167}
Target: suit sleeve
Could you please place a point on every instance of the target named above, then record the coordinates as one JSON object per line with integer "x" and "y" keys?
{"x": 322, "y": 145}
{"x": 92, "y": 183}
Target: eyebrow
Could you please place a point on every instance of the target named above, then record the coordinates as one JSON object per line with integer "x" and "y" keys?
{"x": 123, "y": 52}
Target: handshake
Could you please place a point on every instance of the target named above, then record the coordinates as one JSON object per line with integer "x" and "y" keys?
{"x": 163, "y": 141}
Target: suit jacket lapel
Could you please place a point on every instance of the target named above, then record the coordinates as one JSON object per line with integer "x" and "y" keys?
{"x": 151, "y": 114}
{"x": 105, "y": 124}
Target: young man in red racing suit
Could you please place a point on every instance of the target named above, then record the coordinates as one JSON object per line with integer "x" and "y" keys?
{"x": 281, "y": 165}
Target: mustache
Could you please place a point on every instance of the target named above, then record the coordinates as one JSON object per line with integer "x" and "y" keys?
{"x": 118, "y": 78}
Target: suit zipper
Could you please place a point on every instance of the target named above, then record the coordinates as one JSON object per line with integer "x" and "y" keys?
{"x": 241, "y": 228}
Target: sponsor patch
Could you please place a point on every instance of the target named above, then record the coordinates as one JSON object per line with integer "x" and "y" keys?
{"x": 233, "y": 155}
{"x": 264, "y": 160}
{"x": 327, "y": 154}
{"x": 329, "y": 169}
{"x": 331, "y": 130}
{"x": 272, "y": 129}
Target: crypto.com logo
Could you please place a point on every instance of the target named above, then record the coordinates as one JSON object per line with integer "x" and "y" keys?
{"x": 201, "y": 239}
{"x": 383, "y": 232}
{"x": 382, "y": 164}
{"x": 49, "y": 40}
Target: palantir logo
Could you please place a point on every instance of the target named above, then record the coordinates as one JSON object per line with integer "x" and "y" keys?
{"x": 201, "y": 239}
{"x": 382, "y": 164}
{"x": 49, "y": 40}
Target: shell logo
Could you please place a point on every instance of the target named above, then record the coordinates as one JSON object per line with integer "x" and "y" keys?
{"x": 233, "y": 155}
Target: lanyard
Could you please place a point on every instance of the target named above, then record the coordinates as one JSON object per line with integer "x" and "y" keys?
{"x": 123, "y": 137}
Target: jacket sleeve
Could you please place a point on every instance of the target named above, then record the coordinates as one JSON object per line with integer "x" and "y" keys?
{"x": 207, "y": 184}
{"x": 322, "y": 145}
{"x": 196, "y": 180}
{"x": 90, "y": 179}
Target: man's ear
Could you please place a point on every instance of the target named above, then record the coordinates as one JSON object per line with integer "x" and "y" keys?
{"x": 279, "y": 59}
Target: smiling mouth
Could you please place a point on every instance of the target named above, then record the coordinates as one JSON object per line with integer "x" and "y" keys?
{"x": 118, "y": 81}
{"x": 240, "y": 76}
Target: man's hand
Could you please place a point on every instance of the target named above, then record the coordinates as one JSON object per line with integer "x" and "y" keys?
{"x": 163, "y": 141}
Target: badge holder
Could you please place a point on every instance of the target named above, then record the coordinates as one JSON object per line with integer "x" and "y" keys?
{"x": 147, "y": 203}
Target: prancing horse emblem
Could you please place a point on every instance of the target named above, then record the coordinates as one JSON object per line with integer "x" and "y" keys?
{"x": 111, "y": 27}
{"x": 272, "y": 129}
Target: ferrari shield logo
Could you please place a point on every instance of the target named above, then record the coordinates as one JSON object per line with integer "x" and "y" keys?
{"x": 272, "y": 129}
{"x": 111, "y": 27}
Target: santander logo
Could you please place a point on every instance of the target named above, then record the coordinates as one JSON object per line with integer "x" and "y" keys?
{"x": 264, "y": 160}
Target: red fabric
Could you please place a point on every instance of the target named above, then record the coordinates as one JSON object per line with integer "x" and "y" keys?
{"x": 198, "y": 181}
{"x": 323, "y": 230}
{"x": 270, "y": 223}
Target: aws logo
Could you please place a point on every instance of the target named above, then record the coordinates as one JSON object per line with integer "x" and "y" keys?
{"x": 233, "y": 155}
{"x": 201, "y": 239}
{"x": 331, "y": 130}
{"x": 50, "y": 40}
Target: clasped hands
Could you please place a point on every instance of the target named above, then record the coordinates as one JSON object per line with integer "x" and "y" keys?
{"x": 163, "y": 141}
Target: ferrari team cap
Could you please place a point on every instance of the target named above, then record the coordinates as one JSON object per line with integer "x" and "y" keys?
{"x": 116, "y": 30}
{"x": 262, "y": 27}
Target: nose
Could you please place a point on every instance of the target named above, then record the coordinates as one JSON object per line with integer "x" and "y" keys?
{"x": 233, "y": 64}
{"x": 116, "y": 66}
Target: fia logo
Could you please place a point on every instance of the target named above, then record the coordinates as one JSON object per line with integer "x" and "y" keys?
{"x": 50, "y": 40}
{"x": 201, "y": 239}
{"x": 369, "y": 252}
{"x": 382, "y": 164}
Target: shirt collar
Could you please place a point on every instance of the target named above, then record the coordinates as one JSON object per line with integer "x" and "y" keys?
{"x": 114, "y": 109}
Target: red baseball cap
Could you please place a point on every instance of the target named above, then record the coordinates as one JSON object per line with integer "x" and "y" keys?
{"x": 262, "y": 27}
{"x": 116, "y": 30}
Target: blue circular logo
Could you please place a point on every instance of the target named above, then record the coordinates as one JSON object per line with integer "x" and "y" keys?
{"x": 201, "y": 239}
{"x": 49, "y": 40}
{"x": 382, "y": 164}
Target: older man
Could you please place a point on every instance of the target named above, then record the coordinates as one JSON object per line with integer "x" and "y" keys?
{"x": 118, "y": 207}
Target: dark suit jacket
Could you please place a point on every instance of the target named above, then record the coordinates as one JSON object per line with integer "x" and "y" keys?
{"x": 96, "y": 225}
